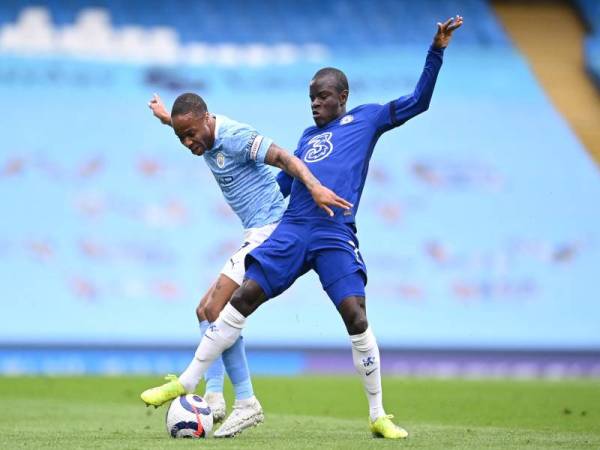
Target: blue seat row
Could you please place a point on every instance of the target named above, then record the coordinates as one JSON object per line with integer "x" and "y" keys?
{"x": 335, "y": 23}
{"x": 590, "y": 12}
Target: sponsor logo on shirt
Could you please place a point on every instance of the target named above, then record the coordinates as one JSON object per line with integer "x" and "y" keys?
{"x": 225, "y": 181}
{"x": 346, "y": 119}
{"x": 220, "y": 160}
{"x": 321, "y": 147}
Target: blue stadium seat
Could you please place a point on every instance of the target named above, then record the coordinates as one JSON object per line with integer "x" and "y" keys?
{"x": 590, "y": 12}
{"x": 335, "y": 23}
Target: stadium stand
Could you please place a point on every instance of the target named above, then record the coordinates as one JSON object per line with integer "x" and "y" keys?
{"x": 590, "y": 11}
{"x": 337, "y": 24}
{"x": 476, "y": 215}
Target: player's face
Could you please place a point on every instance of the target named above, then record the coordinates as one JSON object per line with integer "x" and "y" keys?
{"x": 326, "y": 102}
{"x": 195, "y": 132}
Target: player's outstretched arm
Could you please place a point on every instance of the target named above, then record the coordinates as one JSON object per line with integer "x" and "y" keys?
{"x": 445, "y": 30}
{"x": 408, "y": 106}
{"x": 159, "y": 110}
{"x": 323, "y": 197}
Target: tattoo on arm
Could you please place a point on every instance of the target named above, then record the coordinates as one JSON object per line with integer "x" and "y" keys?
{"x": 291, "y": 165}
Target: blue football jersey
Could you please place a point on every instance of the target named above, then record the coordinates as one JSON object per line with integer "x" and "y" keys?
{"x": 338, "y": 153}
{"x": 237, "y": 163}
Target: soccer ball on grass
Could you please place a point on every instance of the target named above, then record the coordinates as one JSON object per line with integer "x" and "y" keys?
{"x": 189, "y": 416}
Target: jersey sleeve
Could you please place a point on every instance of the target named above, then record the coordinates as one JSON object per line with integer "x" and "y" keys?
{"x": 398, "y": 111}
{"x": 256, "y": 147}
{"x": 285, "y": 180}
{"x": 246, "y": 144}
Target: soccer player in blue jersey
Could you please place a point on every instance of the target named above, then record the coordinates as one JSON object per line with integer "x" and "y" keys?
{"x": 238, "y": 157}
{"x": 338, "y": 150}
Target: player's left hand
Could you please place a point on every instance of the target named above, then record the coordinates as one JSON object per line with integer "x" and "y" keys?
{"x": 325, "y": 198}
{"x": 445, "y": 30}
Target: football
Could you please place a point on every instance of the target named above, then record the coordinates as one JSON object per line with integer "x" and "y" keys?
{"x": 189, "y": 416}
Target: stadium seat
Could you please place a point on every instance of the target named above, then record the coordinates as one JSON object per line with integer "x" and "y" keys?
{"x": 590, "y": 12}
{"x": 337, "y": 24}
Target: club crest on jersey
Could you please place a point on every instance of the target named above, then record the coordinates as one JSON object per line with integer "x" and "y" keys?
{"x": 321, "y": 147}
{"x": 346, "y": 119}
{"x": 220, "y": 160}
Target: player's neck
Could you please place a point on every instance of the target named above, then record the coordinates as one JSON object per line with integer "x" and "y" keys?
{"x": 342, "y": 112}
{"x": 212, "y": 125}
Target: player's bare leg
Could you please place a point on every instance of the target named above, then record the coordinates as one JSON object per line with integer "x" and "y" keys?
{"x": 218, "y": 297}
{"x": 365, "y": 354}
{"x": 200, "y": 314}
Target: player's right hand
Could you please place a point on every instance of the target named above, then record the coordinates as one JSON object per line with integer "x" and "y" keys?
{"x": 158, "y": 109}
{"x": 324, "y": 198}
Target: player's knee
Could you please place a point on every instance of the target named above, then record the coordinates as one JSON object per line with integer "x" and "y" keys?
{"x": 211, "y": 311}
{"x": 201, "y": 313}
{"x": 354, "y": 314}
{"x": 248, "y": 297}
{"x": 357, "y": 325}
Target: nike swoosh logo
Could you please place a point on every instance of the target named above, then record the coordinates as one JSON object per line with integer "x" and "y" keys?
{"x": 208, "y": 337}
{"x": 369, "y": 372}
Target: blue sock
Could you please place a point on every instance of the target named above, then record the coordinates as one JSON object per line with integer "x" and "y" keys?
{"x": 216, "y": 372}
{"x": 236, "y": 365}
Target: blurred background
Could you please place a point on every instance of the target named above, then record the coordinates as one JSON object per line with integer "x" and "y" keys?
{"x": 479, "y": 224}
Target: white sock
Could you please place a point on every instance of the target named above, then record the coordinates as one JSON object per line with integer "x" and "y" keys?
{"x": 365, "y": 355}
{"x": 221, "y": 335}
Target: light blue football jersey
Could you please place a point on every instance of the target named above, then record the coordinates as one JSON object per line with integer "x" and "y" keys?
{"x": 237, "y": 161}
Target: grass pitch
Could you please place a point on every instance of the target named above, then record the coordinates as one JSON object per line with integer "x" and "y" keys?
{"x": 309, "y": 412}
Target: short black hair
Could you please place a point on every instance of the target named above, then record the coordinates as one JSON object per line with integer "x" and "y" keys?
{"x": 340, "y": 77}
{"x": 188, "y": 103}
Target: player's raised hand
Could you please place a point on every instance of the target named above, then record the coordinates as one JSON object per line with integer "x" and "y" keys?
{"x": 159, "y": 110}
{"x": 324, "y": 198}
{"x": 445, "y": 30}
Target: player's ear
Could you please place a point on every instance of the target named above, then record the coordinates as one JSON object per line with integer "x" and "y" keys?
{"x": 343, "y": 96}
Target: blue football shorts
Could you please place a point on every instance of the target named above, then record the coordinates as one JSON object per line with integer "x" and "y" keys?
{"x": 327, "y": 247}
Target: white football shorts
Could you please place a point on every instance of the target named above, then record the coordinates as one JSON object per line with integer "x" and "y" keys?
{"x": 253, "y": 237}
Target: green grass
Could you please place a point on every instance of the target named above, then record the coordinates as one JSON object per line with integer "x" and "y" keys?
{"x": 310, "y": 412}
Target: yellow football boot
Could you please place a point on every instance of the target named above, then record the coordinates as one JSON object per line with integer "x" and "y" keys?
{"x": 383, "y": 427}
{"x": 158, "y": 395}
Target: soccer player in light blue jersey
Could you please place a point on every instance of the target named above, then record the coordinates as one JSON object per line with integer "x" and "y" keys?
{"x": 338, "y": 149}
{"x": 238, "y": 156}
